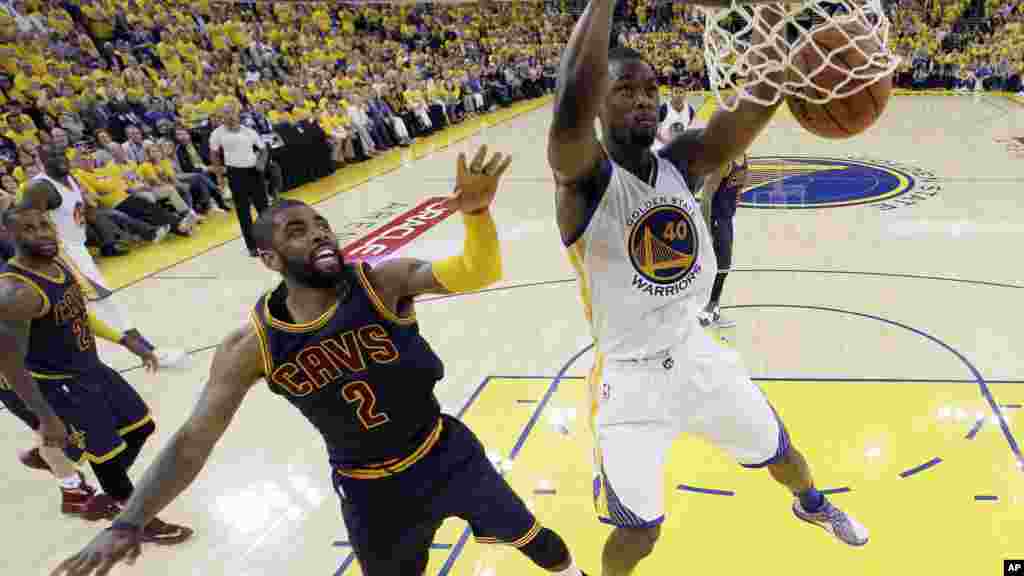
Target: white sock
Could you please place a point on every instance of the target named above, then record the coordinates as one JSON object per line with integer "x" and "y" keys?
{"x": 71, "y": 482}
{"x": 572, "y": 570}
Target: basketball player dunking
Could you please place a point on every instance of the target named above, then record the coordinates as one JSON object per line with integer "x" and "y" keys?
{"x": 341, "y": 343}
{"x": 61, "y": 388}
{"x": 643, "y": 255}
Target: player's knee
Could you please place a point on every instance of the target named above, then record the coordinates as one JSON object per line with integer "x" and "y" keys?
{"x": 547, "y": 550}
{"x": 636, "y": 542}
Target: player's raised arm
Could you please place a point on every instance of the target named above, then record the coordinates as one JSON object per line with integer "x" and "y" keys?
{"x": 479, "y": 264}
{"x": 573, "y": 149}
{"x": 237, "y": 365}
{"x": 728, "y": 134}
{"x": 19, "y": 304}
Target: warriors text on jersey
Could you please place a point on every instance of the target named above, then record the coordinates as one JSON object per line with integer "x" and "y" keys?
{"x": 361, "y": 375}
{"x": 644, "y": 261}
{"x": 61, "y": 343}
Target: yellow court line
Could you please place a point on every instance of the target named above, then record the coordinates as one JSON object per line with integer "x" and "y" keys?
{"x": 146, "y": 260}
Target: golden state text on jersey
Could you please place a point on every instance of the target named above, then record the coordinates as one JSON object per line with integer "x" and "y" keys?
{"x": 664, "y": 245}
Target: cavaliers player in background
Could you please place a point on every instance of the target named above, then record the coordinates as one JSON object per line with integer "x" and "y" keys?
{"x": 340, "y": 342}
{"x": 57, "y": 383}
{"x": 722, "y": 191}
{"x": 56, "y": 192}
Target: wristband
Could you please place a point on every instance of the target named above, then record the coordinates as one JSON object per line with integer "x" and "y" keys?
{"x": 122, "y": 526}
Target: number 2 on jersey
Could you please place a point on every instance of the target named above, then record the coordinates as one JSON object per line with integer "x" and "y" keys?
{"x": 360, "y": 394}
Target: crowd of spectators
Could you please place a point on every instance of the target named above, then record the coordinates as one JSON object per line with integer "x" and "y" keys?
{"x": 944, "y": 44}
{"x": 133, "y": 88}
{"x": 960, "y": 45}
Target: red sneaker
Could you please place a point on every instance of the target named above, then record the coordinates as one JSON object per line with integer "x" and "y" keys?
{"x": 75, "y": 500}
{"x": 160, "y": 532}
{"x": 100, "y": 507}
{"x": 32, "y": 459}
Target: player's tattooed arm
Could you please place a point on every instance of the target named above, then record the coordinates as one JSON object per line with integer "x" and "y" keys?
{"x": 237, "y": 365}
{"x": 19, "y": 305}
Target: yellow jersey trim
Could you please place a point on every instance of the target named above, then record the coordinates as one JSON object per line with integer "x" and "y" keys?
{"x": 87, "y": 286}
{"x": 392, "y": 467}
{"x": 379, "y": 304}
{"x": 298, "y": 328}
{"x": 39, "y": 376}
{"x": 135, "y": 426}
{"x": 58, "y": 280}
{"x": 106, "y": 457}
{"x": 31, "y": 284}
{"x": 261, "y": 335}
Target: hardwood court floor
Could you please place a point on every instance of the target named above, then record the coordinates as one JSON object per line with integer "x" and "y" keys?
{"x": 876, "y": 292}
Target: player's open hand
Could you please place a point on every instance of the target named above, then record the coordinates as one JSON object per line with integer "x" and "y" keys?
{"x": 139, "y": 348}
{"x": 104, "y": 552}
{"x": 150, "y": 361}
{"x": 476, "y": 184}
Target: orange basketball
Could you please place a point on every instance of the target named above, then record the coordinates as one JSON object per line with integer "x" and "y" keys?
{"x": 864, "y": 101}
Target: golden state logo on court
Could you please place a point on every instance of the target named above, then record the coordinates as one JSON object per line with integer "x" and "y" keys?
{"x": 820, "y": 182}
{"x": 663, "y": 246}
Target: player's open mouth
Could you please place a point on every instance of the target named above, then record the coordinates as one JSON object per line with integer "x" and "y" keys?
{"x": 326, "y": 257}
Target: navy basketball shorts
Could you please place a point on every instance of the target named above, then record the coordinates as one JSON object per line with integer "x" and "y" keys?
{"x": 98, "y": 408}
{"x": 17, "y": 407}
{"x": 391, "y": 521}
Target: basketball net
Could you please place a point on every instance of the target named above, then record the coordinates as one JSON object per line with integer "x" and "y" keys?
{"x": 747, "y": 44}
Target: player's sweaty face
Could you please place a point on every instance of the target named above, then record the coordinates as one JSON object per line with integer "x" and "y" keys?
{"x": 34, "y": 234}
{"x": 308, "y": 247}
{"x": 631, "y": 108}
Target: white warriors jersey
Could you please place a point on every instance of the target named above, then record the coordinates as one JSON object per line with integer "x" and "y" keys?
{"x": 645, "y": 264}
{"x": 69, "y": 217}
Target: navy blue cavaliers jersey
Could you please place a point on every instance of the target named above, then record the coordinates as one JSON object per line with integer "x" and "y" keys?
{"x": 61, "y": 343}
{"x": 730, "y": 190}
{"x": 360, "y": 374}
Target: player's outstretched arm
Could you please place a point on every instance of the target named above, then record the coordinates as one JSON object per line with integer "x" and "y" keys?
{"x": 20, "y": 303}
{"x": 729, "y": 134}
{"x": 237, "y": 365}
{"x": 479, "y": 265}
{"x": 573, "y": 149}
{"x": 129, "y": 341}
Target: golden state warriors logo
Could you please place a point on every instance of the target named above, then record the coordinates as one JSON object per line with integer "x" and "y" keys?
{"x": 663, "y": 246}
{"x": 819, "y": 182}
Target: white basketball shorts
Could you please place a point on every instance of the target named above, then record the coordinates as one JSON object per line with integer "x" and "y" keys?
{"x": 640, "y": 407}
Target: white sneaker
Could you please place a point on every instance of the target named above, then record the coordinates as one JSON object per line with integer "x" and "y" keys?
{"x": 705, "y": 318}
{"x": 171, "y": 357}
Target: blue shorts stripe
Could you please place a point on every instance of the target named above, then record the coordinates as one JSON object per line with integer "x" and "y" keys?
{"x": 783, "y": 444}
